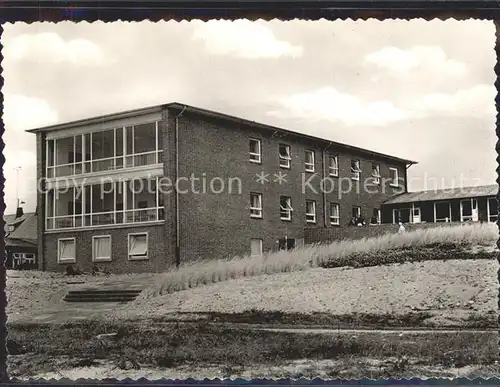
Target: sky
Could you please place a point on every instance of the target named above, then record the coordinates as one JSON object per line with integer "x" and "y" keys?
{"x": 420, "y": 90}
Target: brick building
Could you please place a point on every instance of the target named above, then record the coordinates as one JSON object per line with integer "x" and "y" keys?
{"x": 242, "y": 188}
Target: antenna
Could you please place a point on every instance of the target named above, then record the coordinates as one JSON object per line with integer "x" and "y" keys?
{"x": 17, "y": 169}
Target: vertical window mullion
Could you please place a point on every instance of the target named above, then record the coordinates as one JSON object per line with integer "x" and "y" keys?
{"x": 156, "y": 135}
{"x": 91, "y": 199}
{"x": 157, "y": 198}
{"x": 124, "y": 146}
{"x": 74, "y": 206}
{"x": 114, "y": 199}
{"x": 114, "y": 149}
{"x": 125, "y": 202}
{"x": 91, "y": 158}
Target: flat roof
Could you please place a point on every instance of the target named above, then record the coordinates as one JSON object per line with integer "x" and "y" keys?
{"x": 211, "y": 114}
{"x": 445, "y": 194}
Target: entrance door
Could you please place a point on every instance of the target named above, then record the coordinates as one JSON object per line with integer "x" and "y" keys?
{"x": 286, "y": 244}
{"x": 416, "y": 215}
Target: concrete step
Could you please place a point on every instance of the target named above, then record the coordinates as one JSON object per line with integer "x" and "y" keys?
{"x": 89, "y": 295}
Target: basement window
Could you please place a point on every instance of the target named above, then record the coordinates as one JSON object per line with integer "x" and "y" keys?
{"x": 256, "y": 247}
{"x": 101, "y": 248}
{"x": 66, "y": 250}
{"x": 138, "y": 246}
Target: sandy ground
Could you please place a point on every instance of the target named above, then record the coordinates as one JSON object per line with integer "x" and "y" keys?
{"x": 452, "y": 290}
{"x": 33, "y": 293}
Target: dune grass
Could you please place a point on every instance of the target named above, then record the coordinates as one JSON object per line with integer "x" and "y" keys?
{"x": 207, "y": 272}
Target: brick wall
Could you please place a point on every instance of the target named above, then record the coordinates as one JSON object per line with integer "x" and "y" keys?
{"x": 119, "y": 263}
{"x": 218, "y": 225}
{"x": 323, "y": 235}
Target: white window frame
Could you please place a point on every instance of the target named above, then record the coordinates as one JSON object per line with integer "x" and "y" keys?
{"x": 471, "y": 216}
{"x": 253, "y": 156}
{"x": 259, "y": 210}
{"x": 311, "y": 217}
{"x": 310, "y": 165}
{"x": 101, "y": 259}
{"x": 356, "y": 171}
{"x": 69, "y": 260}
{"x": 394, "y": 169}
{"x": 335, "y": 220}
{"x": 376, "y": 173}
{"x": 286, "y": 210}
{"x": 285, "y": 161}
{"x": 359, "y": 210}
{"x": 448, "y": 218}
{"x": 260, "y": 245}
{"x": 379, "y": 216}
{"x": 138, "y": 257}
{"x": 333, "y": 171}
{"x": 490, "y": 215}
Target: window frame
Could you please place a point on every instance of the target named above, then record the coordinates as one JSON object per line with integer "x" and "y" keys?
{"x": 330, "y": 169}
{"x": 394, "y": 169}
{"x": 287, "y": 159}
{"x": 261, "y": 247}
{"x": 258, "y": 160}
{"x": 359, "y": 211}
{"x": 289, "y": 211}
{"x": 102, "y": 259}
{"x": 337, "y": 205}
{"x": 256, "y": 216}
{"x": 310, "y": 166}
{"x": 376, "y": 178}
{"x": 69, "y": 260}
{"x": 312, "y": 215}
{"x": 132, "y": 257}
{"x": 356, "y": 174}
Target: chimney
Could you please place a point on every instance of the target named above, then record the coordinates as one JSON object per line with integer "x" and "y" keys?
{"x": 19, "y": 212}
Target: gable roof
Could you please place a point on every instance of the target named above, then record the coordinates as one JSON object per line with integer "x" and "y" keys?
{"x": 445, "y": 194}
{"x": 26, "y": 230}
{"x": 210, "y": 114}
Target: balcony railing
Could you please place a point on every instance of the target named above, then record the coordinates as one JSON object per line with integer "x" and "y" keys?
{"x": 141, "y": 215}
{"x": 105, "y": 164}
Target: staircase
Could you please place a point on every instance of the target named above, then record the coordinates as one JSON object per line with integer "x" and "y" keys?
{"x": 92, "y": 295}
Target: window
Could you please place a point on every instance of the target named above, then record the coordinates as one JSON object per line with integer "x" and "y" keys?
{"x": 469, "y": 210}
{"x": 334, "y": 214}
{"x": 492, "y": 207}
{"x": 442, "y": 212}
{"x": 286, "y": 208}
{"x": 256, "y": 205}
{"x": 255, "y": 150}
{"x": 355, "y": 171}
{"x": 309, "y": 164}
{"x": 256, "y": 247}
{"x": 333, "y": 165}
{"x": 394, "y": 177}
{"x": 66, "y": 250}
{"x": 356, "y": 212}
{"x": 310, "y": 211}
{"x": 101, "y": 248}
{"x": 376, "y": 173}
{"x": 138, "y": 246}
{"x": 285, "y": 156}
{"x": 376, "y": 216}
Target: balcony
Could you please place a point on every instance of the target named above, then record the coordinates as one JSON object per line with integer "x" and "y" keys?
{"x": 109, "y": 150}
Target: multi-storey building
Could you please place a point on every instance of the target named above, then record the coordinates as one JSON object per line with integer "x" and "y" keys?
{"x": 147, "y": 189}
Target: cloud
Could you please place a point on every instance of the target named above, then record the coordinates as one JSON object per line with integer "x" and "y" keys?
{"x": 477, "y": 101}
{"x": 21, "y": 113}
{"x": 329, "y": 104}
{"x": 428, "y": 58}
{"x": 49, "y": 47}
{"x": 243, "y": 39}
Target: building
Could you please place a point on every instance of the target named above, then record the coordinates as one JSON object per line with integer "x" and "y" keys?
{"x": 445, "y": 205}
{"x": 21, "y": 240}
{"x": 218, "y": 186}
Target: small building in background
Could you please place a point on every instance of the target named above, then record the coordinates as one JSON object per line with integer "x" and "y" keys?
{"x": 21, "y": 240}
{"x": 463, "y": 204}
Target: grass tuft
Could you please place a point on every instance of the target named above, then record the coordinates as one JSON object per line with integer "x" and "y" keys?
{"x": 425, "y": 244}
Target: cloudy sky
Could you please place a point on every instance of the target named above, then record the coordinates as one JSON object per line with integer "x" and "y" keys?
{"x": 419, "y": 90}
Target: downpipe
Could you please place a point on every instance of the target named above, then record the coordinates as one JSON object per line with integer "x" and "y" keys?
{"x": 177, "y": 212}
